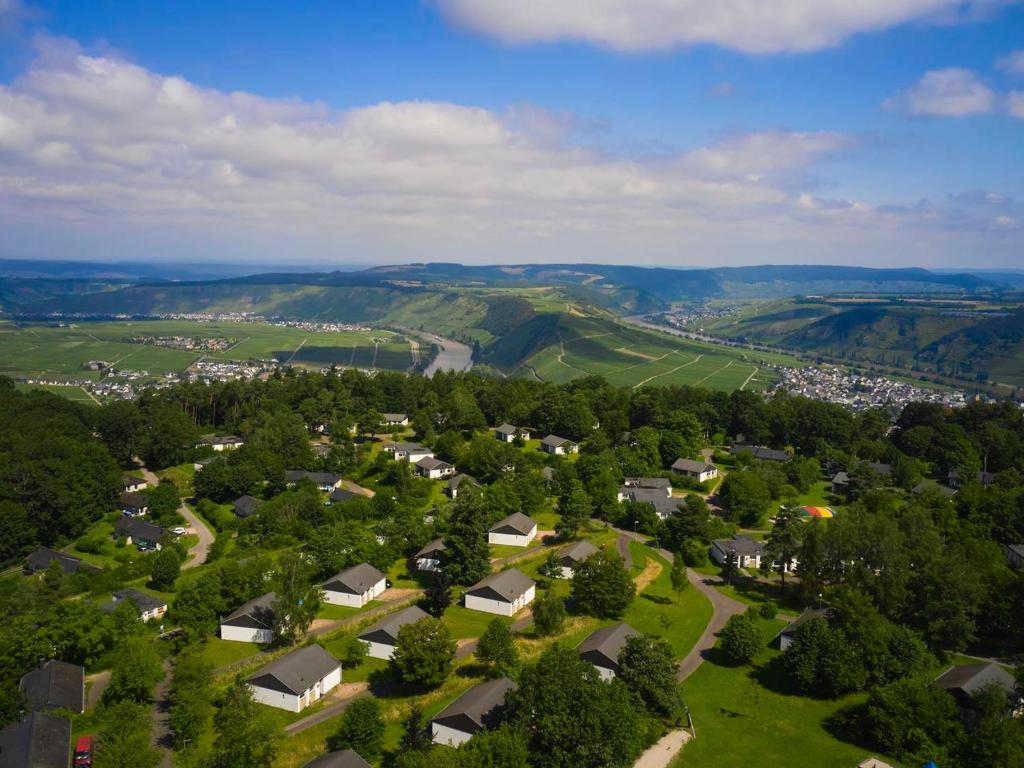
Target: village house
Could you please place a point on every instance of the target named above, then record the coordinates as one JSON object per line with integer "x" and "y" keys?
{"x": 148, "y": 607}
{"x": 39, "y": 740}
{"x": 479, "y": 708}
{"x": 132, "y": 484}
{"x": 297, "y": 679}
{"x": 381, "y": 638}
{"x": 649, "y": 484}
{"x": 571, "y": 556}
{"x": 346, "y": 758}
{"x": 748, "y": 551}
{"x": 434, "y": 469}
{"x": 558, "y": 446}
{"x": 54, "y": 685}
{"x": 325, "y": 481}
{"x": 664, "y": 506}
{"x": 355, "y": 587}
{"x": 516, "y": 530}
{"x": 760, "y": 452}
{"x": 456, "y": 481}
{"x": 930, "y": 485}
{"x": 784, "y": 639}
{"x": 221, "y": 443}
{"x": 251, "y": 622}
{"x": 200, "y": 464}
{"x": 40, "y": 560}
{"x": 133, "y": 504}
{"x": 507, "y": 433}
{"x": 504, "y": 593}
{"x": 1015, "y": 556}
{"x": 701, "y": 471}
{"x": 411, "y": 452}
{"x": 246, "y": 506}
{"x": 142, "y": 534}
{"x": 395, "y": 419}
{"x": 983, "y": 478}
{"x": 603, "y": 646}
{"x": 965, "y": 681}
{"x": 431, "y": 556}
{"x": 840, "y": 483}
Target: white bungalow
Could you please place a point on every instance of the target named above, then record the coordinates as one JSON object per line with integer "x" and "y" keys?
{"x": 505, "y": 593}
{"x": 516, "y": 530}
{"x": 355, "y": 586}
{"x": 381, "y": 638}
{"x": 296, "y": 680}
{"x": 251, "y": 622}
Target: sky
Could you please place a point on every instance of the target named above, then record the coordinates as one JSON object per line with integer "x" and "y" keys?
{"x": 647, "y": 132}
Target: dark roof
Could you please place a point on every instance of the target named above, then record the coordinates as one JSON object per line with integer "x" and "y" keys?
{"x": 663, "y": 505}
{"x": 39, "y": 741}
{"x": 297, "y": 671}
{"x": 139, "y": 529}
{"x": 970, "y": 678}
{"x": 386, "y": 630}
{"x": 761, "y": 452}
{"x": 506, "y": 586}
{"x": 257, "y": 613}
{"x": 931, "y": 485}
{"x": 42, "y": 557}
{"x": 648, "y": 482}
{"x": 347, "y": 758}
{"x": 55, "y": 685}
{"x": 394, "y": 416}
{"x": 516, "y": 523}
{"x": 355, "y": 580}
{"x": 602, "y": 646}
{"x": 133, "y": 500}
{"x": 456, "y": 480}
{"x": 506, "y": 429}
{"x": 742, "y": 545}
{"x": 576, "y": 553}
{"x": 339, "y": 495}
{"x": 127, "y": 480}
{"x": 554, "y": 441}
{"x": 320, "y": 478}
{"x": 1017, "y": 549}
{"x": 691, "y": 465}
{"x": 406, "y": 448}
{"x": 808, "y": 614}
{"x": 220, "y": 440}
{"x": 145, "y": 603}
{"x": 432, "y": 463}
{"x": 434, "y": 547}
{"x": 247, "y": 506}
{"x": 478, "y": 708}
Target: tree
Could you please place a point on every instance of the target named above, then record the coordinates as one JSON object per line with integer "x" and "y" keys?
{"x": 574, "y": 510}
{"x": 602, "y": 586}
{"x": 424, "y": 651}
{"x": 648, "y": 669}
{"x": 551, "y": 568}
{"x": 163, "y": 500}
{"x": 137, "y": 667}
{"x": 746, "y": 496}
{"x": 297, "y": 602}
{"x": 467, "y": 556}
{"x": 912, "y": 720}
{"x": 497, "y": 648}
{"x": 439, "y": 593}
{"x": 783, "y": 543}
{"x": 361, "y": 728}
{"x": 500, "y": 748}
{"x": 166, "y": 567}
{"x": 548, "y": 614}
{"x": 741, "y": 638}
{"x": 415, "y": 732}
{"x": 730, "y": 567}
{"x": 124, "y": 738}
{"x": 680, "y": 581}
{"x": 246, "y": 736}
{"x": 190, "y": 697}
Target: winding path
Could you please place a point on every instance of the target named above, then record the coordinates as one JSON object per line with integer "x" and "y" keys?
{"x": 201, "y": 548}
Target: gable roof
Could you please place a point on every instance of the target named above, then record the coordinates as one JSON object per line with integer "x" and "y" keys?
{"x": 433, "y": 463}
{"x": 841, "y": 478}
{"x": 1017, "y": 549}
{"x": 401, "y": 447}
{"x": 456, "y": 480}
{"x": 554, "y": 441}
{"x": 40, "y": 560}
{"x": 741, "y": 545}
{"x": 140, "y": 530}
{"x": 576, "y": 553}
{"x": 517, "y": 524}
{"x": 145, "y": 603}
{"x": 127, "y": 480}
{"x": 247, "y": 506}
{"x": 339, "y": 495}
{"x": 478, "y": 708}
{"x": 134, "y": 500}
{"x": 347, "y": 758}
{"x": 40, "y": 740}
{"x": 431, "y": 548}
{"x": 505, "y": 586}
{"x": 394, "y": 416}
{"x": 386, "y": 630}
{"x": 220, "y": 440}
{"x": 970, "y": 678}
{"x": 602, "y": 646}
{"x": 55, "y": 685}
{"x": 320, "y": 478}
{"x": 761, "y": 452}
{"x": 356, "y": 580}
{"x": 257, "y": 613}
{"x": 505, "y": 429}
{"x": 808, "y": 614}
{"x": 297, "y": 671}
{"x": 692, "y": 465}
{"x": 647, "y": 482}
{"x": 930, "y": 485}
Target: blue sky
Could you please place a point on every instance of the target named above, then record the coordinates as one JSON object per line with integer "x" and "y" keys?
{"x": 631, "y": 131}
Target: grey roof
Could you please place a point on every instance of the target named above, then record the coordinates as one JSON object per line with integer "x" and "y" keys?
{"x": 841, "y": 478}
{"x": 761, "y": 452}
{"x": 554, "y": 441}
{"x": 320, "y": 478}
{"x": 433, "y": 463}
{"x": 406, "y": 448}
{"x": 220, "y": 440}
{"x": 456, "y": 480}
{"x": 602, "y": 647}
{"x": 394, "y": 416}
{"x": 506, "y": 586}
{"x": 247, "y": 506}
{"x": 808, "y": 614}
{"x": 127, "y": 480}
{"x": 140, "y": 530}
{"x": 647, "y": 482}
{"x": 356, "y": 580}
{"x": 133, "y": 500}
{"x": 40, "y": 740}
{"x": 970, "y": 678}
{"x": 386, "y": 630}
{"x": 663, "y": 505}
{"x": 478, "y": 708}
{"x": 506, "y": 429}
{"x": 145, "y": 603}
{"x": 431, "y": 548}
{"x": 1017, "y": 549}
{"x": 40, "y": 560}
{"x": 692, "y": 465}
{"x": 880, "y": 468}
{"x": 55, "y": 685}
{"x": 517, "y": 524}
{"x": 347, "y": 758}
{"x": 742, "y": 545}
{"x": 257, "y": 613}
{"x": 576, "y": 553}
{"x": 297, "y": 671}
{"x": 931, "y": 485}
{"x": 339, "y": 495}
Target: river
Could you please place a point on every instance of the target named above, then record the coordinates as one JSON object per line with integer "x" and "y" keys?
{"x": 453, "y": 355}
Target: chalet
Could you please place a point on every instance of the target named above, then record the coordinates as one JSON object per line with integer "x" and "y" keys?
{"x": 355, "y": 587}
{"x": 143, "y": 535}
{"x": 571, "y": 556}
{"x": 200, "y": 464}
{"x": 964, "y": 682}
{"x": 133, "y": 504}
{"x": 341, "y": 495}
{"x": 507, "y": 433}
{"x": 504, "y": 593}
{"x": 1015, "y": 556}
{"x": 456, "y": 481}
{"x": 558, "y": 446}
{"x": 39, "y": 740}
{"x": 251, "y": 622}
{"x": 748, "y": 552}
{"x": 54, "y": 685}
{"x": 395, "y": 419}
{"x": 785, "y": 637}
{"x": 40, "y": 560}
{"x": 411, "y": 452}
{"x": 649, "y": 484}
{"x": 701, "y": 471}
{"x": 246, "y": 506}
{"x": 516, "y": 530}
{"x": 297, "y": 679}
{"x": 603, "y": 646}
{"x": 479, "y": 708}
{"x": 840, "y": 483}
{"x": 132, "y": 484}
{"x": 346, "y": 758}
{"x": 325, "y": 481}
{"x": 664, "y": 506}
{"x": 431, "y": 556}
{"x": 221, "y": 443}
{"x": 760, "y": 452}
{"x": 148, "y": 607}
{"x": 434, "y": 469}
{"x": 381, "y": 638}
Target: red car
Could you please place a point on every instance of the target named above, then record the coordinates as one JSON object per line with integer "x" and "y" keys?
{"x": 83, "y": 752}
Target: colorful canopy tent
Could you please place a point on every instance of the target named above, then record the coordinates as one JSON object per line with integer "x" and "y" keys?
{"x": 823, "y": 512}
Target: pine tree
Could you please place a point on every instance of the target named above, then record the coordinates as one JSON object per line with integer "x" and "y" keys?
{"x": 439, "y": 593}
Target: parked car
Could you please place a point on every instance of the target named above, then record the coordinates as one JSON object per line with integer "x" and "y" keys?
{"x": 179, "y": 531}
{"x": 83, "y": 752}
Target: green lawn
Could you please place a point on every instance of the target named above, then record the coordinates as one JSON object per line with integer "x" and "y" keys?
{"x": 220, "y": 653}
{"x": 740, "y": 722}
{"x": 465, "y": 623}
{"x": 334, "y": 612}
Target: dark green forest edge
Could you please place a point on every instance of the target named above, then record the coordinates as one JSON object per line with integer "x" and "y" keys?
{"x": 910, "y": 578}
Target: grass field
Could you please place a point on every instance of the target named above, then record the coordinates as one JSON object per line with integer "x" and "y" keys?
{"x": 60, "y": 352}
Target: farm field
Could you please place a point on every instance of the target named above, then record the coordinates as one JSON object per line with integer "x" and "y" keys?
{"x": 61, "y": 352}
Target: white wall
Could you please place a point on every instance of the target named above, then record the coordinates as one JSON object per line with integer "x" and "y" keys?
{"x": 379, "y": 650}
{"x": 355, "y": 601}
{"x": 475, "y": 603}
{"x": 605, "y": 673}
{"x": 246, "y": 635}
{"x": 285, "y": 701}
{"x": 442, "y": 734}
{"x": 511, "y": 539}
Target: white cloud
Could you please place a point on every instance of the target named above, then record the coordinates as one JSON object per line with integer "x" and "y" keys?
{"x": 753, "y": 26}
{"x": 949, "y": 92}
{"x": 1015, "y": 104}
{"x": 1013, "y": 63}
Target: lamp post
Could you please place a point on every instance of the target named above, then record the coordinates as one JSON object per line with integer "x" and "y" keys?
{"x": 689, "y": 720}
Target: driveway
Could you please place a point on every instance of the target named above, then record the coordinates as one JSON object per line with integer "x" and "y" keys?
{"x": 196, "y": 526}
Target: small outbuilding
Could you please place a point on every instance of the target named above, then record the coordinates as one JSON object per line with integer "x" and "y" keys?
{"x": 558, "y": 446}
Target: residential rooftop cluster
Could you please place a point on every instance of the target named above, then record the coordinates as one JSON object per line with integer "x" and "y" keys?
{"x": 858, "y": 391}
{"x": 189, "y": 343}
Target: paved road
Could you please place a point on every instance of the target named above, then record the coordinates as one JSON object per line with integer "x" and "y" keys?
{"x": 622, "y": 545}
{"x": 162, "y": 717}
{"x": 97, "y": 685}
{"x": 722, "y": 608}
{"x": 200, "y": 549}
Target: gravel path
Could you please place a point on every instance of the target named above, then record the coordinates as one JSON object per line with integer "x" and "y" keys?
{"x": 665, "y": 751}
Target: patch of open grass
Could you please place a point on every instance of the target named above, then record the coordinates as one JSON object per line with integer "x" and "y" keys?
{"x": 659, "y": 612}
{"x": 220, "y": 653}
